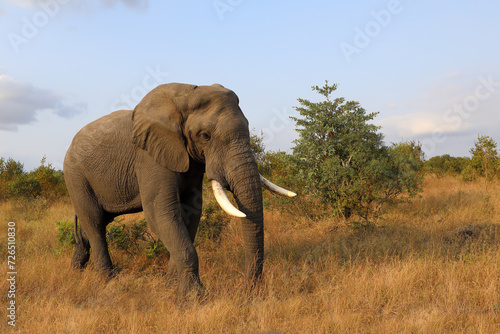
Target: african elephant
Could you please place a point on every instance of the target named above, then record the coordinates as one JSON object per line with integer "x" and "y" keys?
{"x": 153, "y": 158}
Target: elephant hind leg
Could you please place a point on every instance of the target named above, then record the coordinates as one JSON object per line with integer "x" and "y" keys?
{"x": 93, "y": 221}
{"x": 81, "y": 255}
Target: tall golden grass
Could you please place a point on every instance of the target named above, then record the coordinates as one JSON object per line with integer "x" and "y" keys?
{"x": 428, "y": 266}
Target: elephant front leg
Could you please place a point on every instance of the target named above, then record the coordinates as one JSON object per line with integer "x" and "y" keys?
{"x": 183, "y": 265}
{"x": 173, "y": 232}
{"x": 191, "y": 205}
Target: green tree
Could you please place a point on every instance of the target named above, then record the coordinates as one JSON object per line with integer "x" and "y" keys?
{"x": 485, "y": 157}
{"x": 343, "y": 160}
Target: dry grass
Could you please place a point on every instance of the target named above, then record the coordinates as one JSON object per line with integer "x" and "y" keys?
{"x": 414, "y": 271}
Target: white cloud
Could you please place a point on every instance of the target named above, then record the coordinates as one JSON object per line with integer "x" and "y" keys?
{"x": 447, "y": 114}
{"x": 419, "y": 124}
{"x": 20, "y": 102}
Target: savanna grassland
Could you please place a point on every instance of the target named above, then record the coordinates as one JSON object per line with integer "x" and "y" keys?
{"x": 428, "y": 266}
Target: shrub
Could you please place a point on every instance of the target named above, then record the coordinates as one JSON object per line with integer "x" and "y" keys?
{"x": 65, "y": 232}
{"x": 133, "y": 238}
{"x": 407, "y": 160}
{"x": 156, "y": 248}
{"x": 119, "y": 237}
{"x": 51, "y": 181}
{"x": 25, "y": 186}
{"x": 212, "y": 223}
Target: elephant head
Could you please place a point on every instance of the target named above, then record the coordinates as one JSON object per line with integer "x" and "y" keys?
{"x": 179, "y": 125}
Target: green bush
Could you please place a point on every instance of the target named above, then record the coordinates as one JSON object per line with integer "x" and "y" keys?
{"x": 156, "y": 248}
{"x": 51, "y": 181}
{"x": 119, "y": 237}
{"x": 130, "y": 239}
{"x": 65, "y": 232}
{"x": 406, "y": 161}
{"x": 24, "y": 186}
{"x": 212, "y": 223}
{"x": 135, "y": 238}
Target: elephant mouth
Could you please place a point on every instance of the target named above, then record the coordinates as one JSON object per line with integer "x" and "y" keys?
{"x": 230, "y": 209}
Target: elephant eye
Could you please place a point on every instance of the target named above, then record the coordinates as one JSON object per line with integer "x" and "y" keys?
{"x": 205, "y": 136}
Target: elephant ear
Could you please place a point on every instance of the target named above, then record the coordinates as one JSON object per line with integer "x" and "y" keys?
{"x": 157, "y": 129}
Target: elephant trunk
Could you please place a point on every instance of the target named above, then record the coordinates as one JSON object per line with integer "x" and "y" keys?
{"x": 245, "y": 184}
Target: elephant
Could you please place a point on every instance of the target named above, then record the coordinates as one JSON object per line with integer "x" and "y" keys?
{"x": 153, "y": 159}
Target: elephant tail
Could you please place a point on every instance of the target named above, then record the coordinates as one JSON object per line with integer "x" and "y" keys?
{"x": 82, "y": 247}
{"x": 78, "y": 233}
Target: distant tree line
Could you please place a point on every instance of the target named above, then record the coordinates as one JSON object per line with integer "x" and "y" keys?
{"x": 484, "y": 162}
{"x": 42, "y": 182}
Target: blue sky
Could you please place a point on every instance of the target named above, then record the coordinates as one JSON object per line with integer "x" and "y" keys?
{"x": 431, "y": 69}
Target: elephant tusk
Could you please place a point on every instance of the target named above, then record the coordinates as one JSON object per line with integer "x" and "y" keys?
{"x": 224, "y": 202}
{"x": 274, "y": 188}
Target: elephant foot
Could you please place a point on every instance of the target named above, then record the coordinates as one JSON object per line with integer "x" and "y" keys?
{"x": 190, "y": 288}
{"x": 108, "y": 274}
{"x": 172, "y": 277}
{"x": 80, "y": 257}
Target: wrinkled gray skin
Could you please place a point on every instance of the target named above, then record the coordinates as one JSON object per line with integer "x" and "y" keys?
{"x": 153, "y": 159}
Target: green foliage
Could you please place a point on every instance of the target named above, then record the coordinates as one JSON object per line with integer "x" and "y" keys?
{"x": 10, "y": 168}
{"x": 212, "y": 223}
{"x": 130, "y": 239}
{"x": 156, "y": 248}
{"x": 119, "y": 237}
{"x": 469, "y": 174}
{"x": 281, "y": 168}
{"x": 406, "y": 173}
{"x": 342, "y": 159}
{"x": 135, "y": 238}
{"x": 257, "y": 146}
{"x": 43, "y": 182}
{"x": 51, "y": 181}
{"x": 65, "y": 233}
{"x": 446, "y": 165}
{"x": 24, "y": 186}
